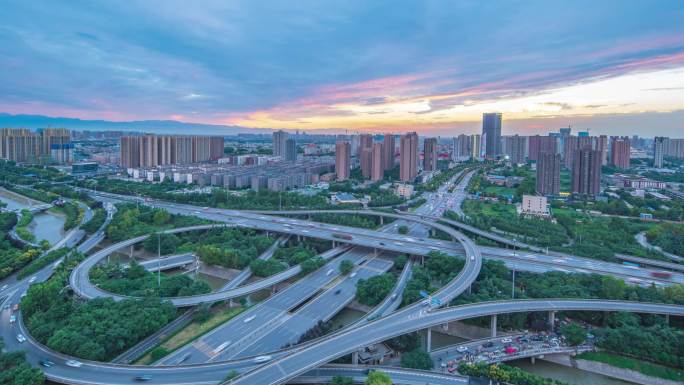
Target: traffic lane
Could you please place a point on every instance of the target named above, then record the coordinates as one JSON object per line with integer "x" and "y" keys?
{"x": 98, "y": 373}
{"x": 272, "y": 308}
{"x": 280, "y": 371}
{"x": 320, "y": 308}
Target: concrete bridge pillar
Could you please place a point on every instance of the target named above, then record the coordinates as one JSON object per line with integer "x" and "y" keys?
{"x": 667, "y": 319}
{"x": 299, "y": 238}
{"x": 552, "y": 318}
{"x": 492, "y": 325}
{"x": 533, "y": 360}
{"x": 130, "y": 253}
{"x": 433, "y": 232}
{"x": 428, "y": 340}
{"x": 355, "y": 358}
{"x": 375, "y": 252}
{"x": 382, "y": 221}
{"x": 334, "y": 246}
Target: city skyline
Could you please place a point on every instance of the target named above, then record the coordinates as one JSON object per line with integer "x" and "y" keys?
{"x": 430, "y": 68}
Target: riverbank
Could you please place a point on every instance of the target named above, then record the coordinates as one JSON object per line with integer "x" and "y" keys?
{"x": 604, "y": 369}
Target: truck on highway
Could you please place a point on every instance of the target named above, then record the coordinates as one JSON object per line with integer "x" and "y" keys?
{"x": 661, "y": 274}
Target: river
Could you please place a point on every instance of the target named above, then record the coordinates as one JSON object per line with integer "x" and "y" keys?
{"x": 46, "y": 225}
{"x": 564, "y": 373}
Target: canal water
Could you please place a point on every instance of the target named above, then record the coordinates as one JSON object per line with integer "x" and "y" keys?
{"x": 564, "y": 373}
{"x": 46, "y": 225}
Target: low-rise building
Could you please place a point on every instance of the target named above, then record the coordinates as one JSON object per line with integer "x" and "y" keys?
{"x": 534, "y": 205}
{"x": 404, "y": 190}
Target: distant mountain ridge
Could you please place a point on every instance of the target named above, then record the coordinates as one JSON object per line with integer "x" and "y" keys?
{"x": 152, "y": 126}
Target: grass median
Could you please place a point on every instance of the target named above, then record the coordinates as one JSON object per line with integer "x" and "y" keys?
{"x": 193, "y": 331}
{"x": 643, "y": 367}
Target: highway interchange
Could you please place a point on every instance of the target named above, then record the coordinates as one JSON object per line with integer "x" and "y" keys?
{"x": 371, "y": 248}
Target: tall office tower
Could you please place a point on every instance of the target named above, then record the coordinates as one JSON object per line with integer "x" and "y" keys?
{"x": 56, "y": 144}
{"x": 658, "y": 151}
{"x": 366, "y": 161}
{"x": 538, "y": 144}
{"x": 148, "y": 151}
{"x": 182, "y": 150}
{"x": 215, "y": 147}
{"x": 602, "y": 145}
{"x": 565, "y": 131}
{"x": 574, "y": 143}
{"x": 377, "y": 162}
{"x": 673, "y": 148}
{"x": 619, "y": 151}
{"x": 342, "y": 159}
{"x": 388, "y": 150}
{"x": 408, "y": 161}
{"x": 430, "y": 154}
{"x": 454, "y": 148}
{"x": 365, "y": 141}
{"x": 475, "y": 146}
{"x": 290, "y": 150}
{"x": 130, "y": 151}
{"x": 516, "y": 147}
{"x": 201, "y": 148}
{"x": 491, "y": 127}
{"x": 164, "y": 149}
{"x": 355, "y": 142}
{"x": 279, "y": 138}
{"x": 20, "y": 145}
{"x": 548, "y": 173}
{"x": 586, "y": 172}
{"x": 461, "y": 147}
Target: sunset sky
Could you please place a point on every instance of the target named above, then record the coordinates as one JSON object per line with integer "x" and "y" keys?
{"x": 429, "y": 66}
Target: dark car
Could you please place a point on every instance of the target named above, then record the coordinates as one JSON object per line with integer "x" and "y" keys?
{"x": 338, "y": 291}
{"x": 144, "y": 377}
{"x": 488, "y": 344}
{"x": 46, "y": 363}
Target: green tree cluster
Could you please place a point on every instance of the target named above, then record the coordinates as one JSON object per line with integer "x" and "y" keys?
{"x": 346, "y": 267}
{"x": 506, "y": 374}
{"x": 233, "y": 248}
{"x": 15, "y": 370}
{"x": 312, "y": 264}
{"x": 417, "y": 359}
{"x": 266, "y": 268}
{"x": 99, "y": 329}
{"x": 12, "y": 258}
{"x": 131, "y": 221}
{"x": 669, "y": 236}
{"x": 376, "y": 377}
{"x": 99, "y": 217}
{"x": 294, "y": 255}
{"x": 373, "y": 290}
{"x": 646, "y": 338}
{"x": 135, "y": 281}
{"x": 218, "y": 197}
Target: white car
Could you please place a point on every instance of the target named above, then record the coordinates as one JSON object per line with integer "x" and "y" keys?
{"x": 262, "y": 359}
{"x": 74, "y": 363}
{"x": 3, "y": 287}
{"x": 33, "y": 279}
{"x": 462, "y": 349}
{"x": 506, "y": 340}
{"x": 13, "y": 319}
{"x": 21, "y": 338}
{"x": 249, "y": 319}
